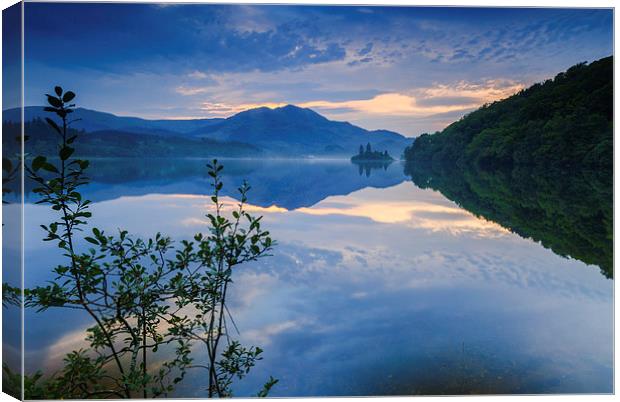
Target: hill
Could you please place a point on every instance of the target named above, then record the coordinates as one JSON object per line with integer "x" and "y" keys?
{"x": 561, "y": 124}
{"x": 539, "y": 163}
{"x": 291, "y": 129}
{"x": 287, "y": 131}
{"x": 93, "y": 120}
{"x": 42, "y": 140}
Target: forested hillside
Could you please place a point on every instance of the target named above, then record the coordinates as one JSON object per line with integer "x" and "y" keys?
{"x": 539, "y": 163}
{"x": 562, "y": 124}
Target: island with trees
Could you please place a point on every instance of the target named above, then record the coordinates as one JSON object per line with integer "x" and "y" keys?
{"x": 369, "y": 156}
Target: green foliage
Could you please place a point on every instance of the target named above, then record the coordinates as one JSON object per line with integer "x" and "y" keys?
{"x": 539, "y": 163}
{"x": 149, "y": 300}
{"x": 564, "y": 124}
{"x": 267, "y": 387}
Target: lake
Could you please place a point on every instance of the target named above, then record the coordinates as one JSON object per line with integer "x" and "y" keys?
{"x": 376, "y": 286}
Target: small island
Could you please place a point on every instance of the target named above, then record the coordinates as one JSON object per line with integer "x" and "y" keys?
{"x": 370, "y": 156}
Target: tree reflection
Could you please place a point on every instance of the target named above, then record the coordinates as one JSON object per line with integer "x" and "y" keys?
{"x": 571, "y": 214}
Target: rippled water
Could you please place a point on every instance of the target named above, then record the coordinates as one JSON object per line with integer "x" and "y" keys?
{"x": 376, "y": 287}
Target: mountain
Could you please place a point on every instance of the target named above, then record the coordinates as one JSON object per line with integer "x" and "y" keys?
{"x": 563, "y": 124}
{"x": 291, "y": 129}
{"x": 285, "y": 131}
{"x": 92, "y": 120}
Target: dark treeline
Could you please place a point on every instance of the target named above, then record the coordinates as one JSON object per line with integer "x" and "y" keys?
{"x": 539, "y": 163}
{"x": 113, "y": 143}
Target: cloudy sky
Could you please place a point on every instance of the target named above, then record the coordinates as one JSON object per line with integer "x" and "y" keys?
{"x": 411, "y": 70}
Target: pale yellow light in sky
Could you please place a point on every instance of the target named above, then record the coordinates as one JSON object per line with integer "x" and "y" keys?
{"x": 409, "y": 103}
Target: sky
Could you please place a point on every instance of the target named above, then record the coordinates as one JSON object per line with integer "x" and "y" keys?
{"x": 407, "y": 69}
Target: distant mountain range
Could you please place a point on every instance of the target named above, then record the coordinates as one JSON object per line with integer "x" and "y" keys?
{"x": 285, "y": 131}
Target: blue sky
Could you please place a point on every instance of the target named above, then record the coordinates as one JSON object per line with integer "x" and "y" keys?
{"x": 407, "y": 69}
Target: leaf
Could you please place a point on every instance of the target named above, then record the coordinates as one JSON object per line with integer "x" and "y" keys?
{"x": 71, "y": 139}
{"x": 91, "y": 240}
{"x": 38, "y": 162}
{"x": 68, "y": 96}
{"x": 54, "y": 101}
{"x": 53, "y": 124}
{"x": 58, "y": 90}
{"x": 49, "y": 167}
{"x": 65, "y": 153}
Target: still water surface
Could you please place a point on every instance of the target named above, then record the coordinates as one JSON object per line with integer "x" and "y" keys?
{"x": 376, "y": 287}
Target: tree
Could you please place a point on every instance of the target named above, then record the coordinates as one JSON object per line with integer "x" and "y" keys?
{"x": 368, "y": 148}
{"x": 148, "y": 299}
{"x": 361, "y": 150}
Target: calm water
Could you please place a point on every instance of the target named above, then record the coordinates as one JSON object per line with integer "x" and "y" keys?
{"x": 376, "y": 287}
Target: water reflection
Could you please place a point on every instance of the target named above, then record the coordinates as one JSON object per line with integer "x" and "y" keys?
{"x": 572, "y": 214}
{"x": 377, "y": 287}
{"x": 286, "y": 183}
{"x": 367, "y": 167}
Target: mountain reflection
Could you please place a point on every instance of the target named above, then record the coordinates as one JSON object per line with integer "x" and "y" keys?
{"x": 289, "y": 184}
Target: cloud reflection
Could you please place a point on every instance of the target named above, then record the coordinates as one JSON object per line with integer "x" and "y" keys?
{"x": 393, "y": 279}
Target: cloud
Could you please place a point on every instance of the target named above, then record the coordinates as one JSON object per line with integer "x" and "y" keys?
{"x": 360, "y": 61}
{"x": 459, "y": 97}
{"x": 437, "y": 100}
{"x": 416, "y": 214}
{"x": 188, "y": 38}
{"x": 224, "y": 109}
{"x": 366, "y": 49}
{"x": 198, "y": 75}
{"x": 190, "y": 91}
{"x": 487, "y": 91}
{"x": 265, "y": 335}
{"x": 367, "y": 65}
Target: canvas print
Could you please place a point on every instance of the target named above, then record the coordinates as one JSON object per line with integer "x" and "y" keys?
{"x": 232, "y": 200}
